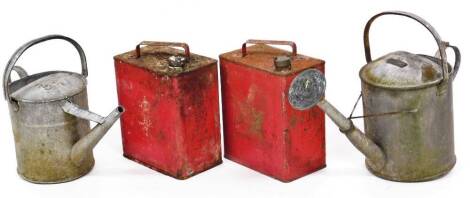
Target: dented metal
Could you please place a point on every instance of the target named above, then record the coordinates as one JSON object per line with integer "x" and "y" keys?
{"x": 407, "y": 102}
{"x": 50, "y": 120}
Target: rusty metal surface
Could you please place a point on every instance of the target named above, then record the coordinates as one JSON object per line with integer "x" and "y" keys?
{"x": 52, "y": 144}
{"x": 261, "y": 57}
{"x": 270, "y": 42}
{"x": 172, "y": 121}
{"x": 185, "y": 46}
{"x": 261, "y": 130}
{"x": 155, "y": 59}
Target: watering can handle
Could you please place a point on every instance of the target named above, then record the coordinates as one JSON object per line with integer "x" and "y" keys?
{"x": 14, "y": 58}
{"x": 20, "y": 71}
{"x": 457, "y": 61}
{"x": 441, "y": 44}
{"x": 270, "y": 42}
{"x": 185, "y": 46}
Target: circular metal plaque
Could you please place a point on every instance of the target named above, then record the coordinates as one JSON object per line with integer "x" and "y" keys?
{"x": 307, "y": 89}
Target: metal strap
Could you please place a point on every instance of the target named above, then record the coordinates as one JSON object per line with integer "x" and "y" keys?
{"x": 378, "y": 114}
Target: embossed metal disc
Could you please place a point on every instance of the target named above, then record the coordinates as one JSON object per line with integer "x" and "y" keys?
{"x": 307, "y": 89}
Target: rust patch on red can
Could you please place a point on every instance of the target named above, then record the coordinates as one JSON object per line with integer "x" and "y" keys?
{"x": 261, "y": 130}
{"x": 155, "y": 59}
{"x": 261, "y": 56}
{"x": 253, "y": 117}
{"x": 172, "y": 116}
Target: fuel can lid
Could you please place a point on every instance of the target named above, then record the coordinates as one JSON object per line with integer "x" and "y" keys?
{"x": 51, "y": 87}
{"x": 267, "y": 58}
{"x": 165, "y": 60}
{"x": 402, "y": 70}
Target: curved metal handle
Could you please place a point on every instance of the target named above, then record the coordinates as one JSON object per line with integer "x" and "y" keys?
{"x": 20, "y": 71}
{"x": 185, "y": 46}
{"x": 14, "y": 58}
{"x": 441, "y": 44}
{"x": 270, "y": 42}
{"x": 457, "y": 60}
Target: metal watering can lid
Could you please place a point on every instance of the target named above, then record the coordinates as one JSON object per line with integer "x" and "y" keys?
{"x": 55, "y": 86}
{"x": 404, "y": 70}
{"x": 46, "y": 86}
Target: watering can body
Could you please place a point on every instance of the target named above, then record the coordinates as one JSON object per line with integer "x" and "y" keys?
{"x": 50, "y": 121}
{"x": 408, "y": 98}
{"x": 407, "y": 105}
{"x": 417, "y": 137}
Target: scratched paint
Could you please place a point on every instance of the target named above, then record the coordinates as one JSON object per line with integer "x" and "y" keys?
{"x": 261, "y": 130}
{"x": 172, "y": 119}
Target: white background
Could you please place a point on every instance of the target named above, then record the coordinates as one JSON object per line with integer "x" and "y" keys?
{"x": 330, "y": 30}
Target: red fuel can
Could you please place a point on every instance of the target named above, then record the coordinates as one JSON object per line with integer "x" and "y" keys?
{"x": 261, "y": 130}
{"x": 172, "y": 113}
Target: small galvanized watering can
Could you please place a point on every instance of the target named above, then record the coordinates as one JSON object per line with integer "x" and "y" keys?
{"x": 407, "y": 101}
{"x": 50, "y": 120}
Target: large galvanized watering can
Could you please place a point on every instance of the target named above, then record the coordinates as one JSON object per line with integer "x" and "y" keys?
{"x": 407, "y": 102}
{"x": 50, "y": 120}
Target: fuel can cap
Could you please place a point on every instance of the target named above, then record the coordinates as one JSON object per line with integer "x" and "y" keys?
{"x": 282, "y": 62}
{"x": 177, "y": 61}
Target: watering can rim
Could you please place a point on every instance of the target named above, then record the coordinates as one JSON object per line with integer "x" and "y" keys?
{"x": 80, "y": 87}
{"x": 367, "y": 76}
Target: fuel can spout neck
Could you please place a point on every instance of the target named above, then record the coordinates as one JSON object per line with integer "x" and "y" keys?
{"x": 365, "y": 145}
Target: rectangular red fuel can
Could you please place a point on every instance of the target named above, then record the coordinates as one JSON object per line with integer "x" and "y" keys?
{"x": 261, "y": 130}
{"x": 171, "y": 122}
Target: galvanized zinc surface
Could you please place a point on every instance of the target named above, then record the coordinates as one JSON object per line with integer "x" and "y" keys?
{"x": 155, "y": 58}
{"x": 402, "y": 70}
{"x": 56, "y": 86}
{"x": 261, "y": 56}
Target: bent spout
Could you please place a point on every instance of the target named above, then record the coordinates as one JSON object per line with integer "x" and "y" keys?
{"x": 372, "y": 151}
{"x": 85, "y": 145}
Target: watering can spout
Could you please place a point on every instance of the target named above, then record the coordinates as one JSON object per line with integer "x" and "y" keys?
{"x": 369, "y": 148}
{"x": 308, "y": 89}
{"x": 85, "y": 145}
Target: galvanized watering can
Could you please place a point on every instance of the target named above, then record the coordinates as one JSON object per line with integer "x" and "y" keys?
{"x": 407, "y": 102}
{"x": 50, "y": 120}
